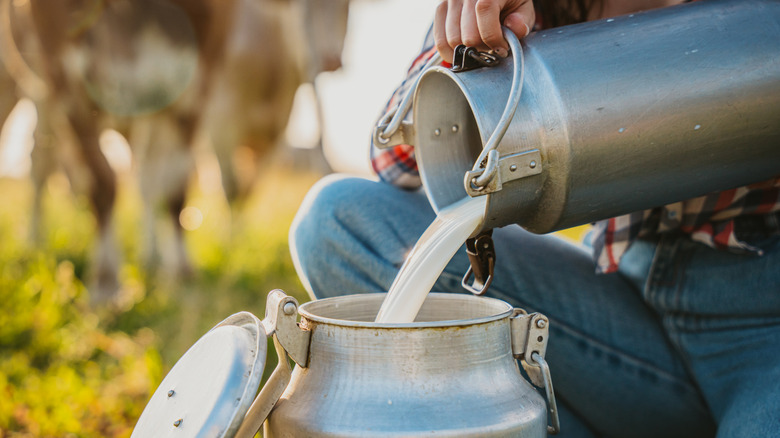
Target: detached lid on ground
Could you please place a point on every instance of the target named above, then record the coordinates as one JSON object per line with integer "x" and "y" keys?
{"x": 210, "y": 389}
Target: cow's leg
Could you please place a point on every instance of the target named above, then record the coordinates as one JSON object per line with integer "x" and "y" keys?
{"x": 224, "y": 144}
{"x": 224, "y": 129}
{"x": 141, "y": 132}
{"x": 187, "y": 127}
{"x": 164, "y": 161}
{"x": 176, "y": 202}
{"x": 74, "y": 110}
{"x": 102, "y": 194}
{"x": 44, "y": 162}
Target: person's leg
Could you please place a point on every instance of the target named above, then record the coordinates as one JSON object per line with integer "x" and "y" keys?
{"x": 723, "y": 311}
{"x": 611, "y": 362}
{"x": 610, "y": 358}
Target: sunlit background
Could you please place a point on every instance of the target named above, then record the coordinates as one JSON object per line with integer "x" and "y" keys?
{"x": 70, "y": 368}
{"x": 383, "y": 37}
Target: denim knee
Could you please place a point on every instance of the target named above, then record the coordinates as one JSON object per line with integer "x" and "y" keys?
{"x": 316, "y": 224}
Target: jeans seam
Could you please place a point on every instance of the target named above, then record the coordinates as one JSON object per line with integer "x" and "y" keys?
{"x": 665, "y": 276}
{"x": 675, "y": 336}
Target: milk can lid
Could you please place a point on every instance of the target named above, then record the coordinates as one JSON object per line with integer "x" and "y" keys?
{"x": 210, "y": 389}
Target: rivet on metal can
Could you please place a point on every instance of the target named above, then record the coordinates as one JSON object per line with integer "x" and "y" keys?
{"x": 170, "y": 393}
{"x": 532, "y": 164}
{"x": 289, "y": 308}
{"x": 177, "y": 423}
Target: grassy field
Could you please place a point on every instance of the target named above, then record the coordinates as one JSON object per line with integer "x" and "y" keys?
{"x": 67, "y": 369}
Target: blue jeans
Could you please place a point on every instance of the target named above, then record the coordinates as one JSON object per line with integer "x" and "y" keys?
{"x": 684, "y": 341}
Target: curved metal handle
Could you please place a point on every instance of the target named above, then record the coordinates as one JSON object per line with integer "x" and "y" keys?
{"x": 486, "y": 165}
{"x": 290, "y": 342}
{"x": 268, "y": 396}
{"x": 390, "y": 123}
{"x": 552, "y": 406}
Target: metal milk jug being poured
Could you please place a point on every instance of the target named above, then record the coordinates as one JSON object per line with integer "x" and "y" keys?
{"x": 577, "y": 140}
{"x": 602, "y": 119}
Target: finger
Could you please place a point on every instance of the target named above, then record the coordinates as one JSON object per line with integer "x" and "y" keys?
{"x": 520, "y": 22}
{"x": 452, "y": 24}
{"x": 520, "y": 18}
{"x": 488, "y": 16}
{"x": 440, "y": 33}
{"x": 469, "y": 30}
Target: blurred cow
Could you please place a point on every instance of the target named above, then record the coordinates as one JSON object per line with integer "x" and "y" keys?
{"x": 146, "y": 68}
{"x": 274, "y": 47}
{"x": 97, "y": 74}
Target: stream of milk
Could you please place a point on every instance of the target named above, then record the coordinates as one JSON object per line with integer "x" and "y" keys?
{"x": 453, "y": 225}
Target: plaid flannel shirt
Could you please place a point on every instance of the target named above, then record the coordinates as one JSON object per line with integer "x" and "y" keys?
{"x": 711, "y": 219}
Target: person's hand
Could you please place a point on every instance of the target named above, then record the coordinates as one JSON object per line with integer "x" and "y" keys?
{"x": 477, "y": 23}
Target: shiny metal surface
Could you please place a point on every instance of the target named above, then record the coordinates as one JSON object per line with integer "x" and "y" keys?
{"x": 451, "y": 373}
{"x": 281, "y": 320}
{"x": 628, "y": 113}
{"x": 529, "y": 339}
{"x": 211, "y": 387}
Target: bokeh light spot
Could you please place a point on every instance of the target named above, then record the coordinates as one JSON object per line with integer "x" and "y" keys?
{"x": 191, "y": 218}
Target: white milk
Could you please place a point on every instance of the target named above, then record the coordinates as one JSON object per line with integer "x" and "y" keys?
{"x": 428, "y": 258}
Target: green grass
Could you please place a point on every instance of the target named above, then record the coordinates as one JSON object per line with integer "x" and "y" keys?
{"x": 67, "y": 369}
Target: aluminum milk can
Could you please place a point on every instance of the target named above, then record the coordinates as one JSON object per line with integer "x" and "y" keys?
{"x": 453, "y": 372}
{"x": 605, "y": 117}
